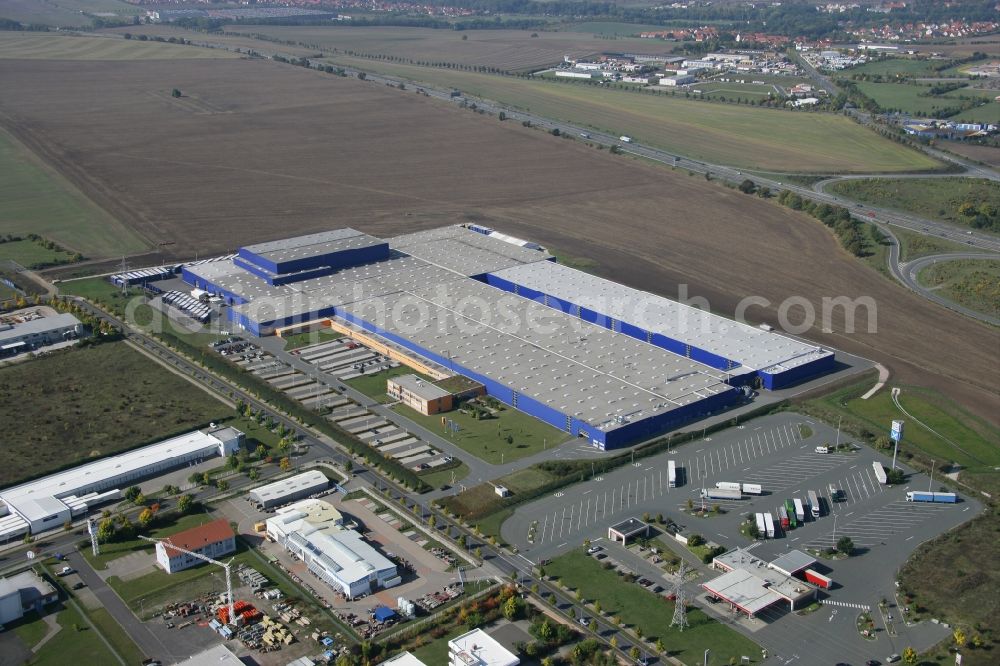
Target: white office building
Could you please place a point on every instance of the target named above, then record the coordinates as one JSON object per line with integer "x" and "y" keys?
{"x": 478, "y": 648}
{"x": 313, "y": 531}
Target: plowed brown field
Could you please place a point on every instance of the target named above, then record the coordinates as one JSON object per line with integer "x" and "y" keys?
{"x": 256, "y": 151}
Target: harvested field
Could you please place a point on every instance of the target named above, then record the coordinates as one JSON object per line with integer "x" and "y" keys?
{"x": 36, "y": 199}
{"x": 52, "y": 46}
{"x": 509, "y": 50}
{"x": 63, "y": 13}
{"x": 749, "y": 137}
{"x": 986, "y": 154}
{"x": 322, "y": 151}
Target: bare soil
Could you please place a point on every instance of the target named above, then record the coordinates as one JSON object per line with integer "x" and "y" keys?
{"x": 257, "y": 151}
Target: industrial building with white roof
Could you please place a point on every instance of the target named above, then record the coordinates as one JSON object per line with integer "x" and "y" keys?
{"x": 500, "y": 312}
{"x": 48, "y": 502}
{"x": 313, "y": 531}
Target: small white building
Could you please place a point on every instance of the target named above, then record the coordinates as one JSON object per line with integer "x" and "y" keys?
{"x": 22, "y": 593}
{"x": 290, "y": 489}
{"x": 215, "y": 540}
{"x": 573, "y": 74}
{"x": 477, "y": 648}
{"x": 404, "y": 659}
{"x": 678, "y": 80}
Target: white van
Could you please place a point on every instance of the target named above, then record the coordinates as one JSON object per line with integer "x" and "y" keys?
{"x": 822, "y": 449}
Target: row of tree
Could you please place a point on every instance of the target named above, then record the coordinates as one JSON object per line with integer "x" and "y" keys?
{"x": 849, "y": 231}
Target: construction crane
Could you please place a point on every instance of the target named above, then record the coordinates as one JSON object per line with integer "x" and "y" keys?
{"x": 204, "y": 558}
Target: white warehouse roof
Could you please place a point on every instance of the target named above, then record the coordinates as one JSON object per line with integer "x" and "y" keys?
{"x": 292, "y": 485}
{"x": 52, "y": 494}
{"x": 750, "y": 346}
{"x": 478, "y": 648}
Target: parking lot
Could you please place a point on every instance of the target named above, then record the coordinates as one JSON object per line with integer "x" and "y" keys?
{"x": 772, "y": 452}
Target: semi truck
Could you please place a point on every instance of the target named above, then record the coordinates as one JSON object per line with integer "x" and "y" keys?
{"x": 671, "y": 473}
{"x": 625, "y": 139}
{"x": 761, "y": 526}
{"x": 814, "y": 504}
{"x": 800, "y": 511}
{"x": 783, "y": 518}
{"x": 769, "y": 524}
{"x": 879, "y": 472}
{"x": 818, "y": 579}
{"x": 918, "y": 496}
{"x": 790, "y": 510}
{"x": 721, "y": 493}
{"x": 729, "y": 485}
{"x": 752, "y": 489}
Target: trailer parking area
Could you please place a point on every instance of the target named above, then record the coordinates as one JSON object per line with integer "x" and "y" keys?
{"x": 772, "y": 452}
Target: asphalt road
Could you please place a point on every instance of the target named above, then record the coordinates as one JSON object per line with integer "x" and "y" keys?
{"x": 909, "y": 272}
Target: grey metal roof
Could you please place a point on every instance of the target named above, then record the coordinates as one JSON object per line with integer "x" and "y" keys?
{"x": 312, "y": 245}
{"x": 792, "y": 562}
{"x": 463, "y": 251}
{"x": 42, "y": 325}
{"x": 748, "y": 345}
{"x": 629, "y": 526}
{"x": 419, "y": 387}
{"x": 600, "y": 377}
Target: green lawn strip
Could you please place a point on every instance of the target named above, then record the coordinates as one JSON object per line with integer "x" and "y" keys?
{"x": 976, "y": 438}
{"x": 436, "y": 651}
{"x": 30, "y": 629}
{"x": 299, "y": 340}
{"x": 75, "y": 641}
{"x": 374, "y": 385}
{"x": 36, "y": 199}
{"x": 439, "y": 478}
{"x": 580, "y": 263}
{"x": 720, "y": 133}
{"x": 913, "y": 245}
{"x": 31, "y": 254}
{"x": 972, "y": 283}
{"x": 115, "y": 635}
{"x": 650, "y": 612}
{"x": 487, "y": 438}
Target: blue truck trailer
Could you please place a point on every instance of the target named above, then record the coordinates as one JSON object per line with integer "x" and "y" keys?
{"x": 917, "y": 496}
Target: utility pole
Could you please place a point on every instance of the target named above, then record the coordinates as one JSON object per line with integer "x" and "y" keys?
{"x": 838, "y": 430}
{"x": 931, "y": 482}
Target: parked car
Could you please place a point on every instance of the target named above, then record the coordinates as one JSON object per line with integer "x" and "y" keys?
{"x": 893, "y": 658}
{"x": 79, "y": 585}
{"x": 593, "y": 549}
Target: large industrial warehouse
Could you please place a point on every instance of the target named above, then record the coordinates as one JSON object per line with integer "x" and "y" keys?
{"x": 599, "y": 360}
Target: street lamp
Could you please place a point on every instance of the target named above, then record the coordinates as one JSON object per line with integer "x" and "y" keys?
{"x": 705, "y": 660}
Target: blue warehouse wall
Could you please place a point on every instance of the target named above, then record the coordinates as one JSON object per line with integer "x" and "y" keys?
{"x": 780, "y": 380}
{"x": 335, "y": 260}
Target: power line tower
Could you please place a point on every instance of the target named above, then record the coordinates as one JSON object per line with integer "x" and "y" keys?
{"x": 124, "y": 268}
{"x": 680, "y": 612}
{"x": 680, "y": 599}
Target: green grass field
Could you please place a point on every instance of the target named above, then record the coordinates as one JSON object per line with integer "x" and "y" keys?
{"x": 721, "y": 133}
{"x": 62, "y": 13}
{"x": 612, "y": 28}
{"x": 911, "y": 98}
{"x": 299, "y": 340}
{"x": 487, "y": 439}
{"x": 913, "y": 245}
{"x": 52, "y": 46}
{"x": 650, "y": 612}
{"x": 74, "y": 638}
{"x": 30, "y": 254}
{"x": 76, "y": 404}
{"x": 730, "y": 90}
{"x": 933, "y": 198}
{"x": 35, "y": 199}
{"x": 959, "y": 436}
{"x": 373, "y": 386}
{"x": 972, "y": 283}
{"x": 439, "y": 479}
{"x": 893, "y": 66}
